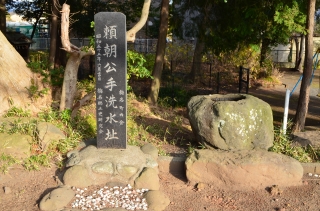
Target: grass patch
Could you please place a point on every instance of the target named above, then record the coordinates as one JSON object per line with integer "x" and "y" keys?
{"x": 177, "y": 97}
{"x": 77, "y": 129}
{"x": 34, "y": 162}
{"x": 14, "y": 111}
{"x": 283, "y": 144}
{"x": 6, "y": 161}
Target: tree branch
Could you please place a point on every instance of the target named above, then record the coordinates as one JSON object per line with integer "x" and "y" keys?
{"x": 66, "y": 44}
{"x": 131, "y": 34}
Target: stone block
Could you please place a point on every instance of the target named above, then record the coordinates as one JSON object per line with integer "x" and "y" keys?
{"x": 245, "y": 169}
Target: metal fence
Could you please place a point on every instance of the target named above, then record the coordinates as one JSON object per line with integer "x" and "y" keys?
{"x": 282, "y": 55}
{"x": 140, "y": 45}
{"x": 144, "y": 45}
{"x": 206, "y": 77}
{"x": 44, "y": 43}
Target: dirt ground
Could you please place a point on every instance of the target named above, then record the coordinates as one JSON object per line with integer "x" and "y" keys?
{"x": 22, "y": 190}
{"x": 27, "y": 188}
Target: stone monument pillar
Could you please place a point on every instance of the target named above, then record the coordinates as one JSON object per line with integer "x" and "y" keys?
{"x": 111, "y": 79}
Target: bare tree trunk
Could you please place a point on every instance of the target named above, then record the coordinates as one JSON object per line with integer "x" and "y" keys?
{"x": 3, "y": 16}
{"x": 131, "y": 34}
{"x": 196, "y": 63}
{"x": 303, "y": 102}
{"x": 302, "y": 47}
{"x": 159, "y": 60}
{"x": 53, "y": 33}
{"x": 69, "y": 87}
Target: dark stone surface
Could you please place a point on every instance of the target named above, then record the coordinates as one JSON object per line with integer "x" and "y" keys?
{"x": 111, "y": 71}
{"x": 234, "y": 122}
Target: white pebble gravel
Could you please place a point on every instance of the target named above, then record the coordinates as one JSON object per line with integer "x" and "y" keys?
{"x": 124, "y": 197}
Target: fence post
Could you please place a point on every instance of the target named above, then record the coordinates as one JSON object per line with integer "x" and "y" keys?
{"x": 240, "y": 79}
{"x": 210, "y": 76}
{"x": 218, "y": 82}
{"x": 247, "y": 89}
{"x": 171, "y": 65}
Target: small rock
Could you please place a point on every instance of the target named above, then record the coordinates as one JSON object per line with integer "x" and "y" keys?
{"x": 150, "y": 149}
{"x": 7, "y": 190}
{"x": 157, "y": 200}
{"x": 201, "y": 185}
{"x": 73, "y": 159}
{"x": 57, "y": 199}
{"x": 148, "y": 178}
{"x": 275, "y": 190}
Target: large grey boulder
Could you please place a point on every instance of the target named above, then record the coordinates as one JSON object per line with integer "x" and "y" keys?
{"x": 245, "y": 169}
{"x": 231, "y": 122}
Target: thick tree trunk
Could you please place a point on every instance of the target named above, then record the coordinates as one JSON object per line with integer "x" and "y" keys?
{"x": 196, "y": 64}
{"x": 159, "y": 60}
{"x": 16, "y": 79}
{"x": 303, "y": 102}
{"x": 264, "y": 50}
{"x": 3, "y": 16}
{"x": 69, "y": 87}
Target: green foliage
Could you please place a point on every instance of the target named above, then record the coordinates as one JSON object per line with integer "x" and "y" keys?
{"x": 34, "y": 91}
{"x": 39, "y": 64}
{"x": 178, "y": 97}
{"x": 27, "y": 128}
{"x": 76, "y": 129}
{"x": 136, "y": 66}
{"x": 92, "y": 40}
{"x": 6, "y": 161}
{"x": 83, "y": 12}
{"x": 283, "y": 144}
{"x": 87, "y": 84}
{"x": 56, "y": 76}
{"x": 34, "y": 162}
{"x": 150, "y": 59}
{"x": 226, "y": 25}
{"x": 14, "y": 111}
{"x": 178, "y": 51}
